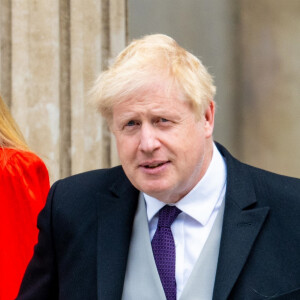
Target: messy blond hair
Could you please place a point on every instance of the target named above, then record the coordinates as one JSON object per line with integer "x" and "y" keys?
{"x": 10, "y": 134}
{"x": 149, "y": 59}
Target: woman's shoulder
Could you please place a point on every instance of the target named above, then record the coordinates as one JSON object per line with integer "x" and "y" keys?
{"x": 14, "y": 159}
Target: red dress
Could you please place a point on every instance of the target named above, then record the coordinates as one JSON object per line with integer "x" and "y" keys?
{"x": 24, "y": 185}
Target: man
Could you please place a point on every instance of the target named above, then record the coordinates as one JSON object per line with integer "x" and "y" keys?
{"x": 181, "y": 219}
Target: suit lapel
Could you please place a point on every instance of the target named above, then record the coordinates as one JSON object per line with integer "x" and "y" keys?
{"x": 116, "y": 210}
{"x": 243, "y": 220}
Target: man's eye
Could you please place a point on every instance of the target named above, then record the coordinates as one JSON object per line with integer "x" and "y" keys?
{"x": 161, "y": 120}
{"x": 131, "y": 123}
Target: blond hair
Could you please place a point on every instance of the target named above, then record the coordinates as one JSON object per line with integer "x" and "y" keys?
{"x": 147, "y": 60}
{"x": 10, "y": 134}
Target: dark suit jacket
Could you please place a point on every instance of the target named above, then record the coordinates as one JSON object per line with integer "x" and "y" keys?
{"x": 85, "y": 231}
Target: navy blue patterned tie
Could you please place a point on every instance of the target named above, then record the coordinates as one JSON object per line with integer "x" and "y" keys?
{"x": 163, "y": 247}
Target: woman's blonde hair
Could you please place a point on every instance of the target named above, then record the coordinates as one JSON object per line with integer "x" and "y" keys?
{"x": 10, "y": 134}
{"x": 146, "y": 61}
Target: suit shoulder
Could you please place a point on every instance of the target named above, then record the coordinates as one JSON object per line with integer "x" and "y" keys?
{"x": 107, "y": 174}
{"x": 270, "y": 188}
{"x": 275, "y": 181}
{"x": 259, "y": 176}
{"x": 90, "y": 181}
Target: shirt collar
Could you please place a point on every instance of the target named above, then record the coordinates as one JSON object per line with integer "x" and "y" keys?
{"x": 200, "y": 202}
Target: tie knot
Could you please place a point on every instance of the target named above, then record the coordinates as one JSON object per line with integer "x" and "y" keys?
{"x": 167, "y": 215}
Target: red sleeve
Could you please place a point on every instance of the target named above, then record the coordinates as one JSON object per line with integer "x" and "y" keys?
{"x": 24, "y": 185}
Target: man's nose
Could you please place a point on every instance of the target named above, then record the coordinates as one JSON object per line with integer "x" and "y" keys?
{"x": 148, "y": 139}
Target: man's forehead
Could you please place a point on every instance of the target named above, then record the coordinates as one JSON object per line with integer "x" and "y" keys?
{"x": 146, "y": 103}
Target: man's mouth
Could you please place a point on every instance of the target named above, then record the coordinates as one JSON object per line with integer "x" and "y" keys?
{"x": 153, "y": 165}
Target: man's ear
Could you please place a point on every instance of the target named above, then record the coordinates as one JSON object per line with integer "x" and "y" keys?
{"x": 209, "y": 119}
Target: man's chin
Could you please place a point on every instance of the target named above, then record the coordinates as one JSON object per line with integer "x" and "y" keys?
{"x": 154, "y": 191}
{"x": 162, "y": 195}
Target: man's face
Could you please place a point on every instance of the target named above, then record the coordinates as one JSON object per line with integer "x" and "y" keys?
{"x": 163, "y": 149}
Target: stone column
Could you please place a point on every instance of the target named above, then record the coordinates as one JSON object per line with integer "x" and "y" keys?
{"x": 35, "y": 68}
{"x": 270, "y": 85}
{"x": 51, "y": 52}
{"x": 86, "y": 130}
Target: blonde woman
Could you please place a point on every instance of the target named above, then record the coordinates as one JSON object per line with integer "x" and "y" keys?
{"x": 24, "y": 184}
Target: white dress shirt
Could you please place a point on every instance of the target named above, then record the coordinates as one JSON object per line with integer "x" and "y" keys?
{"x": 199, "y": 210}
